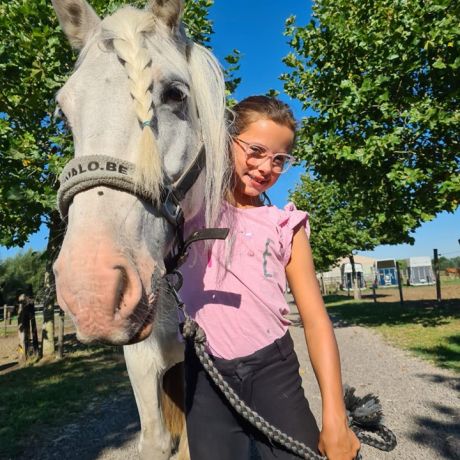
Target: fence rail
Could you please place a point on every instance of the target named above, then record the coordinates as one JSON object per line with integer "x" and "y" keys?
{"x": 9, "y": 321}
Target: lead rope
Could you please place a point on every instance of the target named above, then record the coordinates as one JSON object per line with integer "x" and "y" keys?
{"x": 361, "y": 411}
{"x": 364, "y": 414}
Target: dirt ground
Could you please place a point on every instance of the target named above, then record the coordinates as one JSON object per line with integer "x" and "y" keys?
{"x": 420, "y": 401}
{"x": 451, "y": 291}
{"x": 9, "y": 347}
{"x": 8, "y": 354}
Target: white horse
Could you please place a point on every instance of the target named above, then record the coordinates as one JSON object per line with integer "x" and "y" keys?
{"x": 142, "y": 102}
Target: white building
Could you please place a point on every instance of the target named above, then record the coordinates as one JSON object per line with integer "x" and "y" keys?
{"x": 339, "y": 276}
{"x": 420, "y": 271}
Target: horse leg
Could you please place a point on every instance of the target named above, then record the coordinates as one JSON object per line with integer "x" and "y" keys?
{"x": 147, "y": 362}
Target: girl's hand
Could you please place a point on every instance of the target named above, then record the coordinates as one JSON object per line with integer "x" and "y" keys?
{"x": 338, "y": 442}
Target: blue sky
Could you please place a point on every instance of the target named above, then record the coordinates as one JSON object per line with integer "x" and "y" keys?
{"x": 255, "y": 28}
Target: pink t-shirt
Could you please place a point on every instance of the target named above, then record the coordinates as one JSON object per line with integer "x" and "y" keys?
{"x": 235, "y": 289}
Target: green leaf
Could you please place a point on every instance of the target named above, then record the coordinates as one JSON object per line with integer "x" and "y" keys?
{"x": 439, "y": 64}
{"x": 382, "y": 79}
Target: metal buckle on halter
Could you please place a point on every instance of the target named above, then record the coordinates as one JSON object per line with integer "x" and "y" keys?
{"x": 171, "y": 207}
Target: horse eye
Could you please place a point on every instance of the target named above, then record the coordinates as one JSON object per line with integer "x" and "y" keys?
{"x": 173, "y": 94}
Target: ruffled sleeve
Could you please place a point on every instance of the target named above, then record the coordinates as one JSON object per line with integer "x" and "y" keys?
{"x": 291, "y": 218}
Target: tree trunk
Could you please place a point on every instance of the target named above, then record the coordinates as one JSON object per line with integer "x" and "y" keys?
{"x": 48, "y": 348}
{"x": 354, "y": 280}
{"x": 54, "y": 244}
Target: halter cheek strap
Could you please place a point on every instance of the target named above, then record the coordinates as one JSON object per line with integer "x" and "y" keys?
{"x": 84, "y": 173}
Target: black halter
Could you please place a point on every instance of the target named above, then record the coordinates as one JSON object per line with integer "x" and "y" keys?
{"x": 84, "y": 173}
{"x": 171, "y": 209}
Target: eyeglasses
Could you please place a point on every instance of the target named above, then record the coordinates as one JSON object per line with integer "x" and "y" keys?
{"x": 257, "y": 154}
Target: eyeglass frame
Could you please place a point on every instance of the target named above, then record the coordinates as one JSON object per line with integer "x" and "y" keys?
{"x": 291, "y": 159}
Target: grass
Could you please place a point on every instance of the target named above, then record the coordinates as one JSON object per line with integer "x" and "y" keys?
{"x": 37, "y": 397}
{"x": 423, "y": 327}
{"x": 448, "y": 281}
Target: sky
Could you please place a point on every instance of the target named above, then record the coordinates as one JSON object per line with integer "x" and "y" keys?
{"x": 255, "y": 28}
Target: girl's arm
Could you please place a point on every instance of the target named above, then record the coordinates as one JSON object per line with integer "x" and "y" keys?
{"x": 337, "y": 440}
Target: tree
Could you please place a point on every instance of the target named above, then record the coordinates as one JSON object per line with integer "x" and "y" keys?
{"x": 22, "y": 273}
{"x": 382, "y": 78}
{"x": 35, "y": 60}
{"x": 445, "y": 262}
{"x": 334, "y": 232}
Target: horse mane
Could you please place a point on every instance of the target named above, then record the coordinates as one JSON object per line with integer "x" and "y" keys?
{"x": 133, "y": 32}
{"x": 127, "y": 29}
{"x": 209, "y": 88}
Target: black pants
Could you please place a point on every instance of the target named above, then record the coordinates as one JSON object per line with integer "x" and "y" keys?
{"x": 269, "y": 382}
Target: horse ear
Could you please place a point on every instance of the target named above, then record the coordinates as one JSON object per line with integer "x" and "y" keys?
{"x": 77, "y": 19}
{"x": 168, "y": 11}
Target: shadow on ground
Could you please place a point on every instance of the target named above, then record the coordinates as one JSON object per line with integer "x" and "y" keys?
{"x": 448, "y": 380}
{"x": 5, "y": 367}
{"x": 68, "y": 408}
{"x": 345, "y": 311}
{"x": 105, "y": 425}
{"x": 427, "y": 313}
{"x": 439, "y": 436}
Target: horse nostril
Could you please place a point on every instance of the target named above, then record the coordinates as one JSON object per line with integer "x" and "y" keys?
{"x": 128, "y": 290}
{"x": 122, "y": 285}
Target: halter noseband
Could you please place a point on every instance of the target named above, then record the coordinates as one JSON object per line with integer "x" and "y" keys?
{"x": 86, "y": 172}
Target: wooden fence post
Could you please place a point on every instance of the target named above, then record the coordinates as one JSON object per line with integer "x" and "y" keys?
{"x": 33, "y": 329}
{"x": 5, "y": 312}
{"x": 398, "y": 273}
{"x": 23, "y": 333}
{"x": 437, "y": 275}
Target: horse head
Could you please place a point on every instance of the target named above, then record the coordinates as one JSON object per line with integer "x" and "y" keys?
{"x": 142, "y": 103}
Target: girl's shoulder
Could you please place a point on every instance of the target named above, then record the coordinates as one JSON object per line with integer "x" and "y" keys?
{"x": 290, "y": 218}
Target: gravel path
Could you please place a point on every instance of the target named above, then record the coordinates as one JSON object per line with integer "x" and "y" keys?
{"x": 420, "y": 401}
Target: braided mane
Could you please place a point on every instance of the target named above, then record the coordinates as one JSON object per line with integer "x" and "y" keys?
{"x": 135, "y": 34}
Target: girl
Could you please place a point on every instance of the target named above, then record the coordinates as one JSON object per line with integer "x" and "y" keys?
{"x": 236, "y": 294}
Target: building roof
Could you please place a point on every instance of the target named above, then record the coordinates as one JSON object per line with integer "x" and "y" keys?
{"x": 366, "y": 262}
{"x": 363, "y": 260}
{"x": 422, "y": 261}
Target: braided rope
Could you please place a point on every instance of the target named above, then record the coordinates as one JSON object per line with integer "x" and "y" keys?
{"x": 191, "y": 330}
{"x": 388, "y": 437}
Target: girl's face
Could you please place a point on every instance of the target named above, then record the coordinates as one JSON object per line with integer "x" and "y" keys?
{"x": 252, "y": 180}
